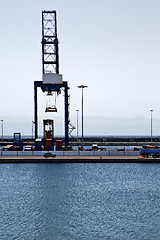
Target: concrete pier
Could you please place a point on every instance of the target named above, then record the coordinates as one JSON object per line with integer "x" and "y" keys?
{"x": 76, "y": 159}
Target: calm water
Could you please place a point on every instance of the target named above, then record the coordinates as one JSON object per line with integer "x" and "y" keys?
{"x": 80, "y": 201}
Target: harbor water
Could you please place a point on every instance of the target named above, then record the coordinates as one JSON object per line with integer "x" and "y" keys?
{"x": 79, "y": 201}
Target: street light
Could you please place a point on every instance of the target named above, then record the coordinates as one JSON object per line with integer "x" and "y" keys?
{"x": 32, "y": 128}
{"x": 82, "y": 87}
{"x": 2, "y": 129}
{"x": 151, "y": 123}
{"x": 77, "y": 125}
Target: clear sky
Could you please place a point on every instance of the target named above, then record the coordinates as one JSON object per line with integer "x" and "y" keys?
{"x": 113, "y": 46}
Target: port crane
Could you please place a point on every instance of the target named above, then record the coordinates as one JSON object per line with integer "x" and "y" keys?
{"x": 51, "y": 79}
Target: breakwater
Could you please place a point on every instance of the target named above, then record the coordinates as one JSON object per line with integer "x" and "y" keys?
{"x": 100, "y": 140}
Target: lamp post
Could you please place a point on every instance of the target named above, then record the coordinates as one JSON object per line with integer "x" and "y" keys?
{"x": 151, "y": 123}
{"x": 32, "y": 128}
{"x": 2, "y": 129}
{"x": 77, "y": 125}
{"x": 82, "y": 87}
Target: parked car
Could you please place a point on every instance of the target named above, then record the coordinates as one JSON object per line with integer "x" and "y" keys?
{"x": 49, "y": 154}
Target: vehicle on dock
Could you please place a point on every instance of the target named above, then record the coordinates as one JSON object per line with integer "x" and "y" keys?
{"x": 49, "y": 154}
{"x": 120, "y": 149}
{"x": 151, "y": 147}
{"x": 7, "y": 148}
{"x": 94, "y": 147}
{"x": 137, "y": 148}
{"x": 28, "y": 148}
{"x": 150, "y": 152}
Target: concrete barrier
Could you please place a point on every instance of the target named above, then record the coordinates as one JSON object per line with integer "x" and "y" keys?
{"x": 72, "y": 153}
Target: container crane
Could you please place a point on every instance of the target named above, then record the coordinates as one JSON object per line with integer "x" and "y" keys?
{"x": 51, "y": 80}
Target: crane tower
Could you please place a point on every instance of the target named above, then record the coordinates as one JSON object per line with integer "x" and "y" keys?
{"x": 51, "y": 79}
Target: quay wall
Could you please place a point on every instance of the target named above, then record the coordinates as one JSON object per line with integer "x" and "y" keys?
{"x": 77, "y": 159}
{"x": 111, "y": 156}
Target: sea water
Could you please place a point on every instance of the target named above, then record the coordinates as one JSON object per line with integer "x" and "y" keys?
{"x": 80, "y": 201}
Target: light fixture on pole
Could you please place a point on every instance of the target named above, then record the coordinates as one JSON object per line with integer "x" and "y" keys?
{"x": 82, "y": 87}
{"x": 151, "y": 123}
{"x": 32, "y": 128}
{"x": 77, "y": 125}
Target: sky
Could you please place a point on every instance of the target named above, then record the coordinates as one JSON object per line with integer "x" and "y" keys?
{"x": 112, "y": 46}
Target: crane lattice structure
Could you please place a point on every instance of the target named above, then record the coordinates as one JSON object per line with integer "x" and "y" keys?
{"x": 50, "y": 54}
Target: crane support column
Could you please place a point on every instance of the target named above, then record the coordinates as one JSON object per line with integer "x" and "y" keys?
{"x": 35, "y": 110}
{"x": 66, "y": 114}
{"x": 36, "y": 85}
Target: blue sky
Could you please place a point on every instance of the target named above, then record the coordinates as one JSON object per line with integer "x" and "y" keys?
{"x": 111, "y": 46}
